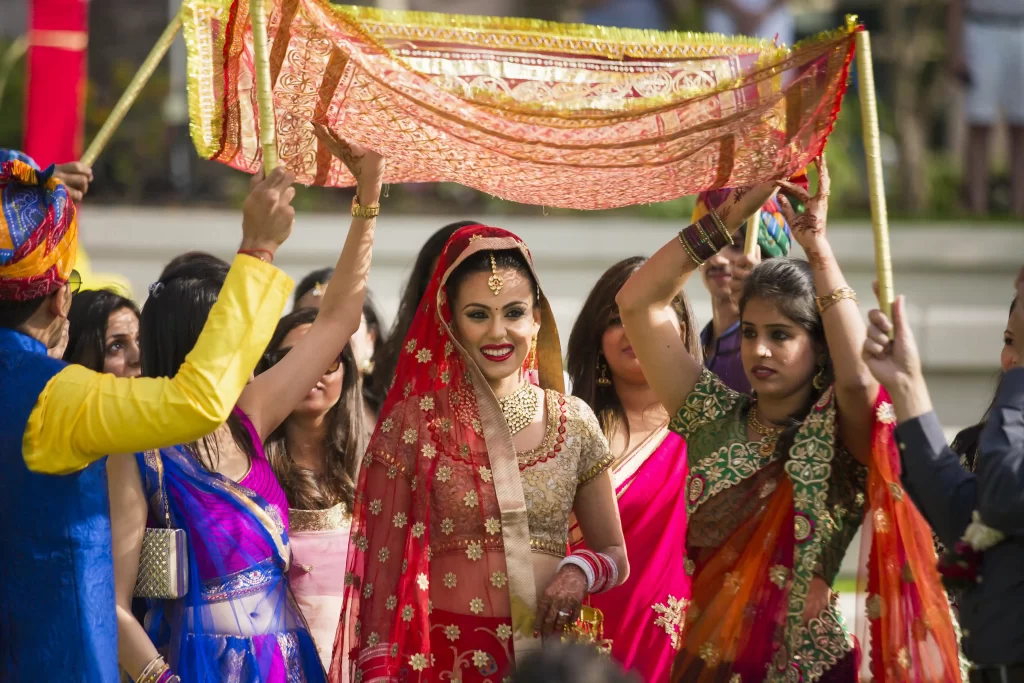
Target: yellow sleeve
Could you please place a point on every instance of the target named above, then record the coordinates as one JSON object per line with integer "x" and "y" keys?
{"x": 83, "y": 415}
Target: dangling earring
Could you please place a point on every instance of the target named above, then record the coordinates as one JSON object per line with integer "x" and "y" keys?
{"x": 820, "y": 378}
{"x": 602, "y": 379}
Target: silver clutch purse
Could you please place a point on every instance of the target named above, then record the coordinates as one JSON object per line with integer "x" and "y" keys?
{"x": 163, "y": 561}
{"x": 163, "y": 565}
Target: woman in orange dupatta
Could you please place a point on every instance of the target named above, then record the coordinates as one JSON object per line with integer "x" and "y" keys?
{"x": 779, "y": 482}
{"x": 457, "y": 562}
{"x": 642, "y": 618}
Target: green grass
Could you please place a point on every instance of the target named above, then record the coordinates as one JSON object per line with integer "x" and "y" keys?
{"x": 845, "y": 584}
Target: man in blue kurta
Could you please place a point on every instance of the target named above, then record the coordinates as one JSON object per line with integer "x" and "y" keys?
{"x": 57, "y": 421}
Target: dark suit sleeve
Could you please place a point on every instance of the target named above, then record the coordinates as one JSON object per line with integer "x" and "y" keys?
{"x": 1001, "y": 458}
{"x": 942, "y": 489}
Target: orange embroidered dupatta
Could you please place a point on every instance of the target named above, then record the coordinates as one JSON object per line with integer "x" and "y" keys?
{"x": 560, "y": 115}
{"x": 745, "y": 618}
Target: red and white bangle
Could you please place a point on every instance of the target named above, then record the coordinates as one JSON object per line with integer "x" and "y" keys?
{"x": 601, "y": 571}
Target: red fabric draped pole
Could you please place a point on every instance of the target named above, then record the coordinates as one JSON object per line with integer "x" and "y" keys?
{"x": 56, "y": 80}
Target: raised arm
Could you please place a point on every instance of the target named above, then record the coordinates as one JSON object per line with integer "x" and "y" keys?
{"x": 127, "y": 527}
{"x": 942, "y": 489}
{"x": 645, "y": 304}
{"x": 82, "y": 415}
{"x": 273, "y": 395}
{"x": 856, "y": 389}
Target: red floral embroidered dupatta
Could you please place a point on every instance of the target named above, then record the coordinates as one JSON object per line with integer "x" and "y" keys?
{"x": 441, "y": 436}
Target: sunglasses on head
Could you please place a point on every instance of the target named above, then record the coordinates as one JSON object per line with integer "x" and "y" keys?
{"x": 275, "y": 357}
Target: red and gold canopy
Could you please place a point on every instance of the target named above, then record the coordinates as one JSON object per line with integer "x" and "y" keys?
{"x": 536, "y": 112}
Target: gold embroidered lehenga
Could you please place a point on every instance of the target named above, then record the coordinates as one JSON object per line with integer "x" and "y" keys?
{"x": 440, "y": 582}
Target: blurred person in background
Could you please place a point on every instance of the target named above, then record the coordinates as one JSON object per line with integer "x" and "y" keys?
{"x": 64, "y": 419}
{"x": 980, "y": 515}
{"x": 315, "y": 454}
{"x": 367, "y": 343}
{"x": 412, "y": 293}
{"x": 103, "y": 333}
{"x": 238, "y": 612}
{"x": 986, "y": 53}
{"x": 648, "y": 473}
{"x": 570, "y": 663}
{"x": 768, "y": 19}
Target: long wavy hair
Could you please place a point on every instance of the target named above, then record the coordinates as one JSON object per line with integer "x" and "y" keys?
{"x": 413, "y": 291}
{"x": 345, "y": 439}
{"x": 584, "y": 356}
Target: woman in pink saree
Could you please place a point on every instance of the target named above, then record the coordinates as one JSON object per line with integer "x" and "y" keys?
{"x": 643, "y": 617}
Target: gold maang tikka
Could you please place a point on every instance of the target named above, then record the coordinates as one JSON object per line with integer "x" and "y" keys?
{"x": 495, "y": 282}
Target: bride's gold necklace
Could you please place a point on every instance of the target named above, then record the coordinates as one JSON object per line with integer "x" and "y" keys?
{"x": 769, "y": 433}
{"x": 519, "y": 407}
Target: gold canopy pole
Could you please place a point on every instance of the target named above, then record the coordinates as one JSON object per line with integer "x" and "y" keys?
{"x": 131, "y": 93}
{"x": 753, "y": 225}
{"x": 876, "y": 184}
{"x": 264, "y": 94}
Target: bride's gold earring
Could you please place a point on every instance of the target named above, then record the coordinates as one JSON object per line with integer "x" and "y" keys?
{"x": 602, "y": 379}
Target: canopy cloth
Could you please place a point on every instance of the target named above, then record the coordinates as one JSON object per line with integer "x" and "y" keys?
{"x": 560, "y": 115}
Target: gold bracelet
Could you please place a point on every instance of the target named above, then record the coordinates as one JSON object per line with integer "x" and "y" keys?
{"x": 153, "y": 670}
{"x": 835, "y": 296}
{"x": 360, "y": 211}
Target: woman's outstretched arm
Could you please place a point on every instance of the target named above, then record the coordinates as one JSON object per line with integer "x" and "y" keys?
{"x": 272, "y": 396}
{"x": 856, "y": 389}
{"x": 645, "y": 305}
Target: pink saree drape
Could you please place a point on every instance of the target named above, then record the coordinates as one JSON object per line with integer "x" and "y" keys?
{"x": 644, "y": 617}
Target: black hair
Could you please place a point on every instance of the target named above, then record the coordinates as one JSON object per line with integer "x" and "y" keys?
{"x": 965, "y": 443}
{"x": 583, "y": 356}
{"x": 172, "y": 318}
{"x": 88, "y": 318}
{"x": 412, "y": 293}
{"x": 571, "y": 663}
{"x": 374, "y": 390}
{"x": 191, "y": 257}
{"x": 318, "y": 277}
{"x": 480, "y": 262}
{"x": 789, "y": 284}
{"x": 346, "y": 435}
{"x": 14, "y": 314}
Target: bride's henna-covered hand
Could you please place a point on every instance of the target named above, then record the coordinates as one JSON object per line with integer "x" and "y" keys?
{"x": 561, "y": 603}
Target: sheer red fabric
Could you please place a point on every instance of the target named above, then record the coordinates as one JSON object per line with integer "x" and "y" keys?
{"x": 440, "y": 525}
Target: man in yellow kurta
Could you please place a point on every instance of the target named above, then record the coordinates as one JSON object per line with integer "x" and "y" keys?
{"x": 56, "y": 579}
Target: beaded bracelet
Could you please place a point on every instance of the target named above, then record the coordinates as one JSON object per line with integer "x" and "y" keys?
{"x": 258, "y": 253}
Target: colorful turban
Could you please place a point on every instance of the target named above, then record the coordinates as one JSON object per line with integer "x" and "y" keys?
{"x": 773, "y": 235}
{"x": 38, "y": 230}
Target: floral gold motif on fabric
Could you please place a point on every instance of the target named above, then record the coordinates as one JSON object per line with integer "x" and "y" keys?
{"x": 672, "y": 618}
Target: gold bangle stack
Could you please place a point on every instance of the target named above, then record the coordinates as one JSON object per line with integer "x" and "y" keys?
{"x": 835, "y": 296}
{"x": 157, "y": 671}
{"x": 360, "y": 211}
